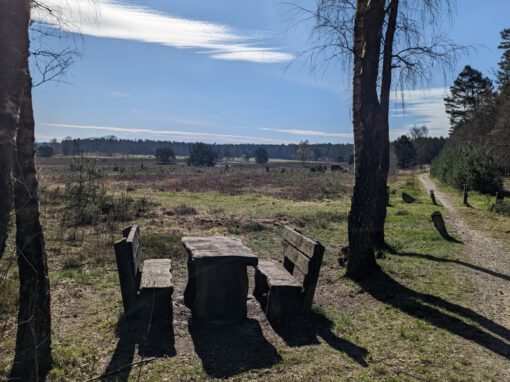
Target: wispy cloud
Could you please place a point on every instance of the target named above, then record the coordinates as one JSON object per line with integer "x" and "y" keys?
{"x": 174, "y": 134}
{"x": 423, "y": 107}
{"x": 116, "y": 94}
{"x": 113, "y": 19}
{"x": 309, "y": 133}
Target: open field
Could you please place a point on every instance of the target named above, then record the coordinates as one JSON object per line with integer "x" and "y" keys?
{"x": 417, "y": 320}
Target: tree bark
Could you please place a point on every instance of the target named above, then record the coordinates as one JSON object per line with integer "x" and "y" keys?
{"x": 366, "y": 120}
{"x": 378, "y": 238}
{"x": 14, "y": 22}
{"x": 32, "y": 359}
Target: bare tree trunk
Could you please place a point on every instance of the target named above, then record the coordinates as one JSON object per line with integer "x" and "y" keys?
{"x": 32, "y": 359}
{"x": 378, "y": 238}
{"x": 366, "y": 119}
{"x": 14, "y": 21}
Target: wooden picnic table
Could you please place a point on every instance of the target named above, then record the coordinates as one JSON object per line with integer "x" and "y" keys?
{"x": 217, "y": 286}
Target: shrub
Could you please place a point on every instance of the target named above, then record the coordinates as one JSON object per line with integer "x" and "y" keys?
{"x": 201, "y": 154}
{"x": 164, "y": 245}
{"x": 501, "y": 207}
{"x": 45, "y": 151}
{"x": 165, "y": 155}
{"x": 184, "y": 209}
{"x": 87, "y": 203}
{"x": 261, "y": 155}
{"x": 472, "y": 165}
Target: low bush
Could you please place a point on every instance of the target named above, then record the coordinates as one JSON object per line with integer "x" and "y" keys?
{"x": 473, "y": 166}
{"x": 87, "y": 203}
{"x": 501, "y": 207}
{"x": 184, "y": 209}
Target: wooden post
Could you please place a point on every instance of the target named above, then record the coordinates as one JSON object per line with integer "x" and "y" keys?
{"x": 408, "y": 198}
{"x": 438, "y": 221}
{"x": 433, "y": 197}
{"x": 465, "y": 194}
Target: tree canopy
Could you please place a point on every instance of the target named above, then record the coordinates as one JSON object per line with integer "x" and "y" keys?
{"x": 201, "y": 154}
{"x": 405, "y": 152}
{"x": 470, "y": 92}
{"x": 165, "y": 155}
{"x": 261, "y": 155}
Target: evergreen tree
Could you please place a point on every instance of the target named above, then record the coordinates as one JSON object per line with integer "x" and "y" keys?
{"x": 471, "y": 91}
{"x": 261, "y": 155}
{"x": 201, "y": 154}
{"x": 405, "y": 152}
{"x": 504, "y": 64}
{"x": 45, "y": 151}
{"x": 165, "y": 155}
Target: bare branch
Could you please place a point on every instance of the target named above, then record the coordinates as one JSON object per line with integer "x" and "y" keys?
{"x": 419, "y": 43}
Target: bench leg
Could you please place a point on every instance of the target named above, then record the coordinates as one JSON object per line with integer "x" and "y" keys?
{"x": 191, "y": 287}
{"x": 156, "y": 305}
{"x": 261, "y": 288}
{"x": 283, "y": 302}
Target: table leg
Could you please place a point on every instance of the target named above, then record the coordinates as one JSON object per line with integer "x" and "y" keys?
{"x": 191, "y": 287}
{"x": 221, "y": 290}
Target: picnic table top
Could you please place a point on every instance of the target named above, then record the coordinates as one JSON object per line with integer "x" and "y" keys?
{"x": 218, "y": 247}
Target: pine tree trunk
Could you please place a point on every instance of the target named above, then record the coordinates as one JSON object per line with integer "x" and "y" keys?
{"x": 14, "y": 19}
{"x": 32, "y": 359}
{"x": 378, "y": 238}
{"x": 366, "y": 120}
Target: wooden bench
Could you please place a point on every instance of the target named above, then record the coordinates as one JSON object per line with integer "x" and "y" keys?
{"x": 278, "y": 286}
{"x": 147, "y": 290}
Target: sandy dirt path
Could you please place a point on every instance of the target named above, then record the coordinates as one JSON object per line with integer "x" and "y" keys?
{"x": 487, "y": 262}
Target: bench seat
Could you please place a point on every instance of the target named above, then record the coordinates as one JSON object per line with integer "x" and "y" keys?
{"x": 156, "y": 273}
{"x": 156, "y": 290}
{"x": 276, "y": 275}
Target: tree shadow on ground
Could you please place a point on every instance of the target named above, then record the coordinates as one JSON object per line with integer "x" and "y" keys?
{"x": 227, "y": 349}
{"x": 428, "y": 308}
{"x": 155, "y": 340}
{"x": 306, "y": 330}
{"x": 460, "y": 262}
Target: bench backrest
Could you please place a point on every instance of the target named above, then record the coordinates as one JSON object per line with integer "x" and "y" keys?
{"x": 305, "y": 255}
{"x": 128, "y": 252}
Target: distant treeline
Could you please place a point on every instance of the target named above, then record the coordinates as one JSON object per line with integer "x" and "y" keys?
{"x": 113, "y": 145}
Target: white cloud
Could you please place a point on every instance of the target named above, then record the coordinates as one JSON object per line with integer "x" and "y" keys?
{"x": 423, "y": 107}
{"x": 174, "y": 134}
{"x": 311, "y": 133}
{"x": 112, "y": 19}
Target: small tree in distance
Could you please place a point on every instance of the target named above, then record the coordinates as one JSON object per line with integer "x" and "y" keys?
{"x": 304, "y": 152}
{"x": 405, "y": 152}
{"x": 165, "y": 155}
{"x": 201, "y": 154}
{"x": 261, "y": 155}
{"x": 45, "y": 151}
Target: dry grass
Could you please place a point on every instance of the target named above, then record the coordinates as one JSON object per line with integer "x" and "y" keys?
{"x": 406, "y": 324}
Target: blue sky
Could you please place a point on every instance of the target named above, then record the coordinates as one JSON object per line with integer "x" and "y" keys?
{"x": 218, "y": 71}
